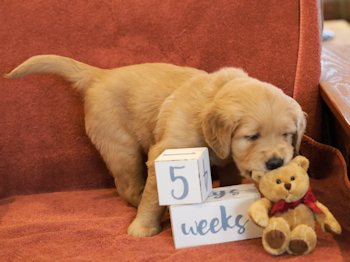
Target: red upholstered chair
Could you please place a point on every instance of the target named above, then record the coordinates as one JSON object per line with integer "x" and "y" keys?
{"x": 58, "y": 200}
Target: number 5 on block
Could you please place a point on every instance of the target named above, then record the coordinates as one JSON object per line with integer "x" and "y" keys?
{"x": 183, "y": 176}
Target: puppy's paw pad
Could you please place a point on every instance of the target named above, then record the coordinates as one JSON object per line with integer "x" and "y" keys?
{"x": 275, "y": 239}
{"x": 298, "y": 247}
{"x": 136, "y": 230}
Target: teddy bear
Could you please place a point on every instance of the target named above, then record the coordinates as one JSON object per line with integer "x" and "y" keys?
{"x": 288, "y": 210}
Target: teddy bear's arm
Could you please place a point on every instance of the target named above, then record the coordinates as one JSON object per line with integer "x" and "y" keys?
{"x": 327, "y": 221}
{"x": 259, "y": 212}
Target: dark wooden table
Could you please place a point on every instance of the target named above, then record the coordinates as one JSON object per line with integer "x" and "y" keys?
{"x": 335, "y": 91}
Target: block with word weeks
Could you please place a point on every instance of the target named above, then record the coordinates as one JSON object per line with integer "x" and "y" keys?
{"x": 183, "y": 176}
{"x": 223, "y": 217}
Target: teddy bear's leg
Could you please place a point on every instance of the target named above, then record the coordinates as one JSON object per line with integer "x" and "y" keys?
{"x": 302, "y": 240}
{"x": 276, "y": 236}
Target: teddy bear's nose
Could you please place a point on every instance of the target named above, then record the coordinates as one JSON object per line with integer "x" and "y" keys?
{"x": 287, "y": 186}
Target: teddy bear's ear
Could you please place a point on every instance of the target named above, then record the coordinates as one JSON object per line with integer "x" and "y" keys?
{"x": 301, "y": 161}
{"x": 257, "y": 175}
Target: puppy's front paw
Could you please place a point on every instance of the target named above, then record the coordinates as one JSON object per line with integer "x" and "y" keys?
{"x": 136, "y": 229}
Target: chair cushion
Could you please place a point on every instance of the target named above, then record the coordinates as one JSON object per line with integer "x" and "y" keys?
{"x": 91, "y": 226}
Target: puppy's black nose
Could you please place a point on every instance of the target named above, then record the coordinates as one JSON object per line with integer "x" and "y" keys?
{"x": 274, "y": 163}
{"x": 287, "y": 185}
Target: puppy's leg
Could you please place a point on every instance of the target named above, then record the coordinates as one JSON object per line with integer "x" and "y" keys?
{"x": 149, "y": 213}
{"x": 229, "y": 175}
{"x": 127, "y": 169}
{"x": 124, "y": 160}
{"x": 106, "y": 124}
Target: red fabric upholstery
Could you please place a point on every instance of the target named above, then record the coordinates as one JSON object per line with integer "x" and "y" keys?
{"x": 116, "y": 33}
{"x": 44, "y": 148}
{"x": 306, "y": 89}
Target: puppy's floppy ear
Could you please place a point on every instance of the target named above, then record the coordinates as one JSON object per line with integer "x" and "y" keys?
{"x": 219, "y": 119}
{"x": 300, "y": 122}
{"x": 301, "y": 161}
{"x": 218, "y": 127}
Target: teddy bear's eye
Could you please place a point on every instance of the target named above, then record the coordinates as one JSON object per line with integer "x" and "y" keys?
{"x": 278, "y": 181}
{"x": 292, "y": 178}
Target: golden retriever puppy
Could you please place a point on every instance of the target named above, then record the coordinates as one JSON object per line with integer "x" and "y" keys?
{"x": 144, "y": 109}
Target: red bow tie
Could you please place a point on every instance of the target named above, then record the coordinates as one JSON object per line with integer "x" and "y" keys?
{"x": 309, "y": 199}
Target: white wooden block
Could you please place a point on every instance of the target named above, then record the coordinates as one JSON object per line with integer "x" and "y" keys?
{"x": 223, "y": 217}
{"x": 183, "y": 176}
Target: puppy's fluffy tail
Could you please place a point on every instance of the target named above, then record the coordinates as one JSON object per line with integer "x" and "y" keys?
{"x": 76, "y": 72}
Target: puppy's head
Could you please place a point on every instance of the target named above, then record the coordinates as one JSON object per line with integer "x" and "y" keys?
{"x": 255, "y": 123}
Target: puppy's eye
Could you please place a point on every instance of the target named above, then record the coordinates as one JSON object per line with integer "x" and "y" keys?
{"x": 278, "y": 181}
{"x": 253, "y": 137}
{"x": 288, "y": 134}
{"x": 292, "y": 178}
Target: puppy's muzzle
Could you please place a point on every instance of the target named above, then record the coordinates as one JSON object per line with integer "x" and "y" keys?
{"x": 274, "y": 163}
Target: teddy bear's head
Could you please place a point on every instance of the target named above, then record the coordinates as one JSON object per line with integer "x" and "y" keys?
{"x": 289, "y": 182}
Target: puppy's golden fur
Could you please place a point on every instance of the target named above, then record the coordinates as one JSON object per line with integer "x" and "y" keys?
{"x": 144, "y": 109}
